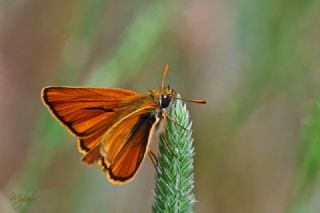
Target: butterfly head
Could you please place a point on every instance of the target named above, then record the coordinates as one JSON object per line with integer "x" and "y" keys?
{"x": 168, "y": 96}
{"x": 164, "y": 97}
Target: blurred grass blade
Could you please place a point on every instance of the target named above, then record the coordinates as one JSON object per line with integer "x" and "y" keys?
{"x": 143, "y": 36}
{"x": 309, "y": 163}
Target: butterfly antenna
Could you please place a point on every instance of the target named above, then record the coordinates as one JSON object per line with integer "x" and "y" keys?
{"x": 194, "y": 101}
{"x": 165, "y": 71}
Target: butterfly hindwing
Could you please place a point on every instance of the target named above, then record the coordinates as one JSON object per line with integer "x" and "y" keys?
{"x": 125, "y": 145}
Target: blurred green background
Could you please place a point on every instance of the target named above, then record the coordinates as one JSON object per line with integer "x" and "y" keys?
{"x": 257, "y": 141}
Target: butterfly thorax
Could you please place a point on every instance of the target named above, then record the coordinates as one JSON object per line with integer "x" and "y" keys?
{"x": 165, "y": 98}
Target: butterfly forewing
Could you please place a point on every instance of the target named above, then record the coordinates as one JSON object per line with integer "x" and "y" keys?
{"x": 89, "y": 112}
{"x": 73, "y": 106}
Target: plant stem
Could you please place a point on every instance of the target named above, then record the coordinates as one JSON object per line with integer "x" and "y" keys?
{"x": 175, "y": 179}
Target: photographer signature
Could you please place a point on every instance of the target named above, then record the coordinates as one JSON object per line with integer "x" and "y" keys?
{"x": 20, "y": 199}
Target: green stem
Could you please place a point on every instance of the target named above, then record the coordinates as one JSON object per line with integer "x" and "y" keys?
{"x": 175, "y": 181}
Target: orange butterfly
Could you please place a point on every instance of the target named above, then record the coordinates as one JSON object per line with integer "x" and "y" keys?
{"x": 113, "y": 126}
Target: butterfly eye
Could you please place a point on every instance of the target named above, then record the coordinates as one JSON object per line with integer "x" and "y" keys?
{"x": 165, "y": 101}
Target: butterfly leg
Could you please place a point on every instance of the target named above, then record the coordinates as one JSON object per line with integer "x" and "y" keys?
{"x": 171, "y": 119}
{"x": 164, "y": 136}
{"x": 154, "y": 160}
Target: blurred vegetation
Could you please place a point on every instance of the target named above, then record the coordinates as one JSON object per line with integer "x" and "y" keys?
{"x": 308, "y": 164}
{"x": 257, "y": 62}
